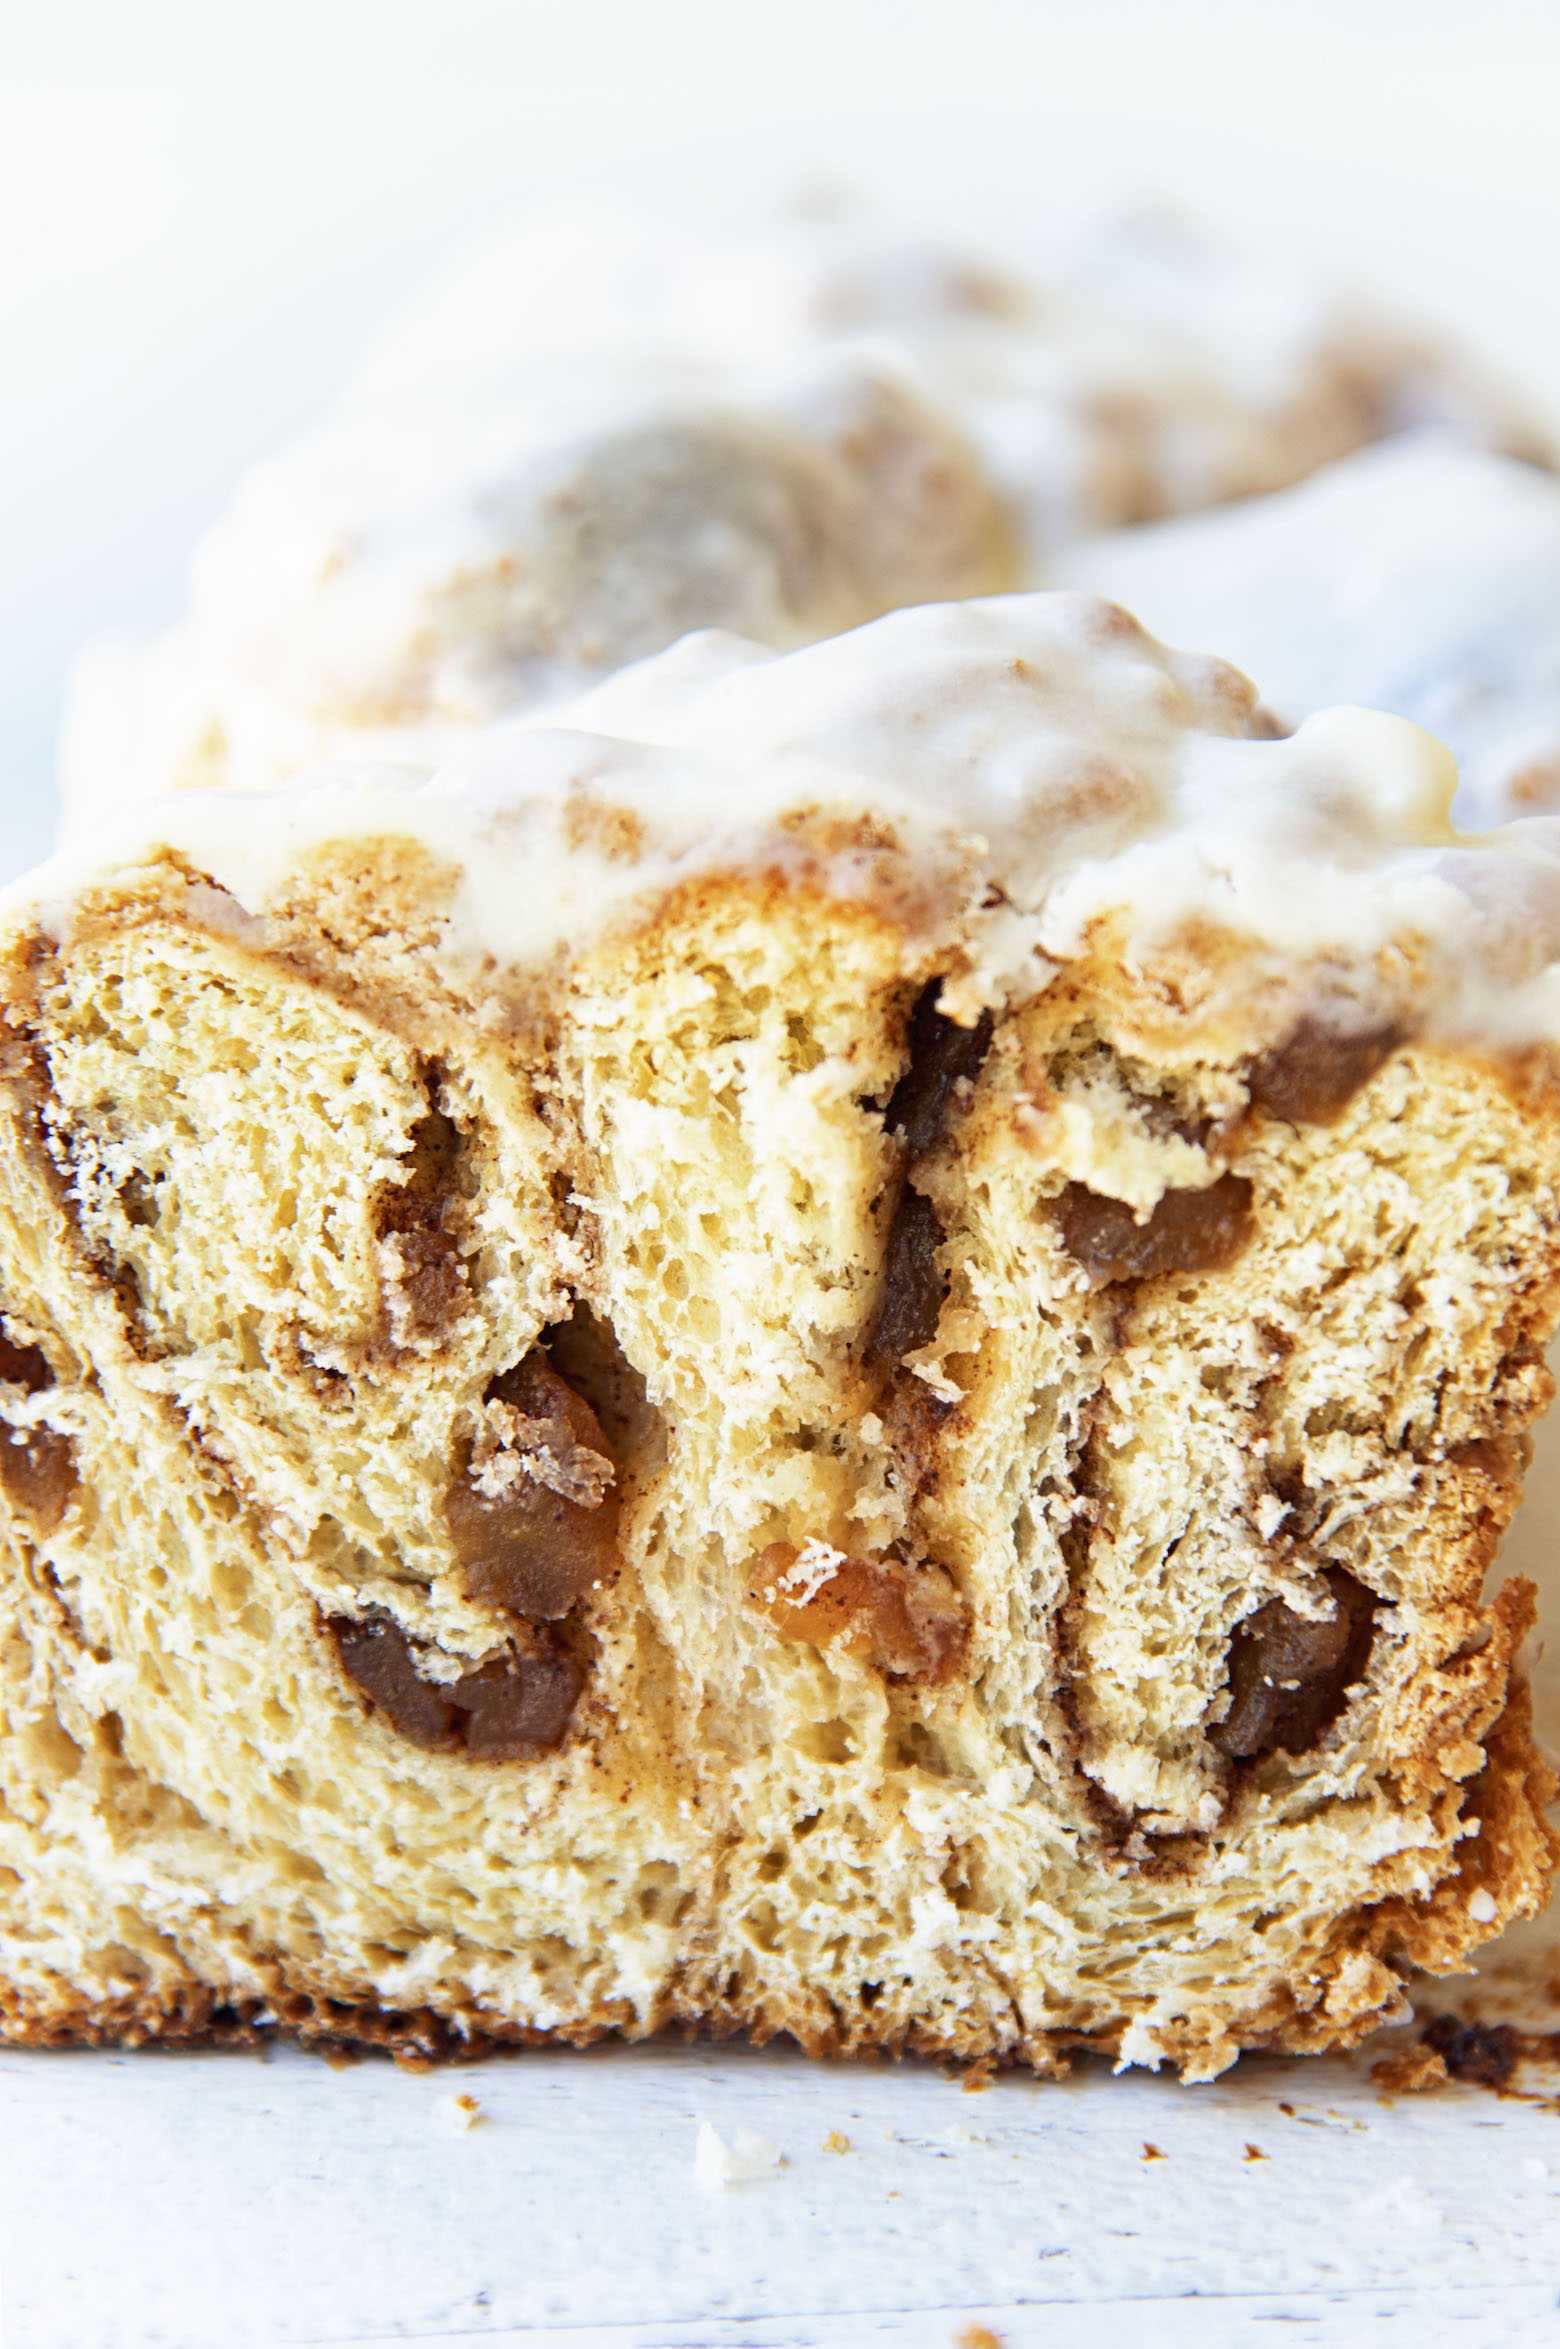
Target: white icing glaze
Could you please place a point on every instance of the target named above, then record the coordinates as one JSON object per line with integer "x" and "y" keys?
{"x": 400, "y": 576}
{"x": 1042, "y": 764}
{"x": 609, "y": 433}
{"x": 1422, "y": 578}
{"x": 1142, "y": 368}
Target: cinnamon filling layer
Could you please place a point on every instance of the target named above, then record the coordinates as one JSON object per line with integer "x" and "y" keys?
{"x": 943, "y": 1058}
{"x": 1313, "y": 1075}
{"x": 531, "y": 1511}
{"x": 507, "y": 1711}
{"x": 37, "y": 1464}
{"x": 1290, "y": 1678}
{"x": 905, "y": 1621}
{"x": 1189, "y": 1231}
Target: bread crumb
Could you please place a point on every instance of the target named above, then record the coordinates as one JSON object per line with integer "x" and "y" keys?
{"x": 1152, "y": 2153}
{"x": 1409, "y": 2071}
{"x": 978, "y": 2337}
{"x": 1482, "y": 1908}
{"x": 835, "y": 2142}
{"x": 718, "y": 2165}
{"x": 460, "y": 2112}
{"x": 1255, "y": 2153}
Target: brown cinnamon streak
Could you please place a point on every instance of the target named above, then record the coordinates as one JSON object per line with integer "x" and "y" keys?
{"x": 1289, "y": 1677}
{"x": 1189, "y": 1231}
{"x": 509, "y": 1710}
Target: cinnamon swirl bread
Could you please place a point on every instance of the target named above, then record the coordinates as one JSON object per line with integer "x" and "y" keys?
{"x": 836, "y": 1345}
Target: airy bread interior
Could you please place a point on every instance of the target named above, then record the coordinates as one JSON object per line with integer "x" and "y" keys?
{"x": 728, "y": 1494}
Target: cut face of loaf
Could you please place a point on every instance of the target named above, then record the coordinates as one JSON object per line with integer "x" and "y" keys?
{"x": 731, "y": 1495}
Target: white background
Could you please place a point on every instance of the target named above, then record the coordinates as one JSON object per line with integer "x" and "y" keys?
{"x": 205, "y": 204}
{"x": 203, "y": 209}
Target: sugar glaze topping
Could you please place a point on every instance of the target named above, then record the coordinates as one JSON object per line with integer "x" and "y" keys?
{"x": 1420, "y": 577}
{"x": 1036, "y": 766}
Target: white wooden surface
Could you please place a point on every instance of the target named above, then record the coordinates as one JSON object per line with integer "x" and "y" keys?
{"x": 198, "y": 2200}
{"x": 201, "y": 211}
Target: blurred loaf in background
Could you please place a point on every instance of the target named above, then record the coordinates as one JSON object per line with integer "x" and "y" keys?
{"x": 607, "y": 433}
